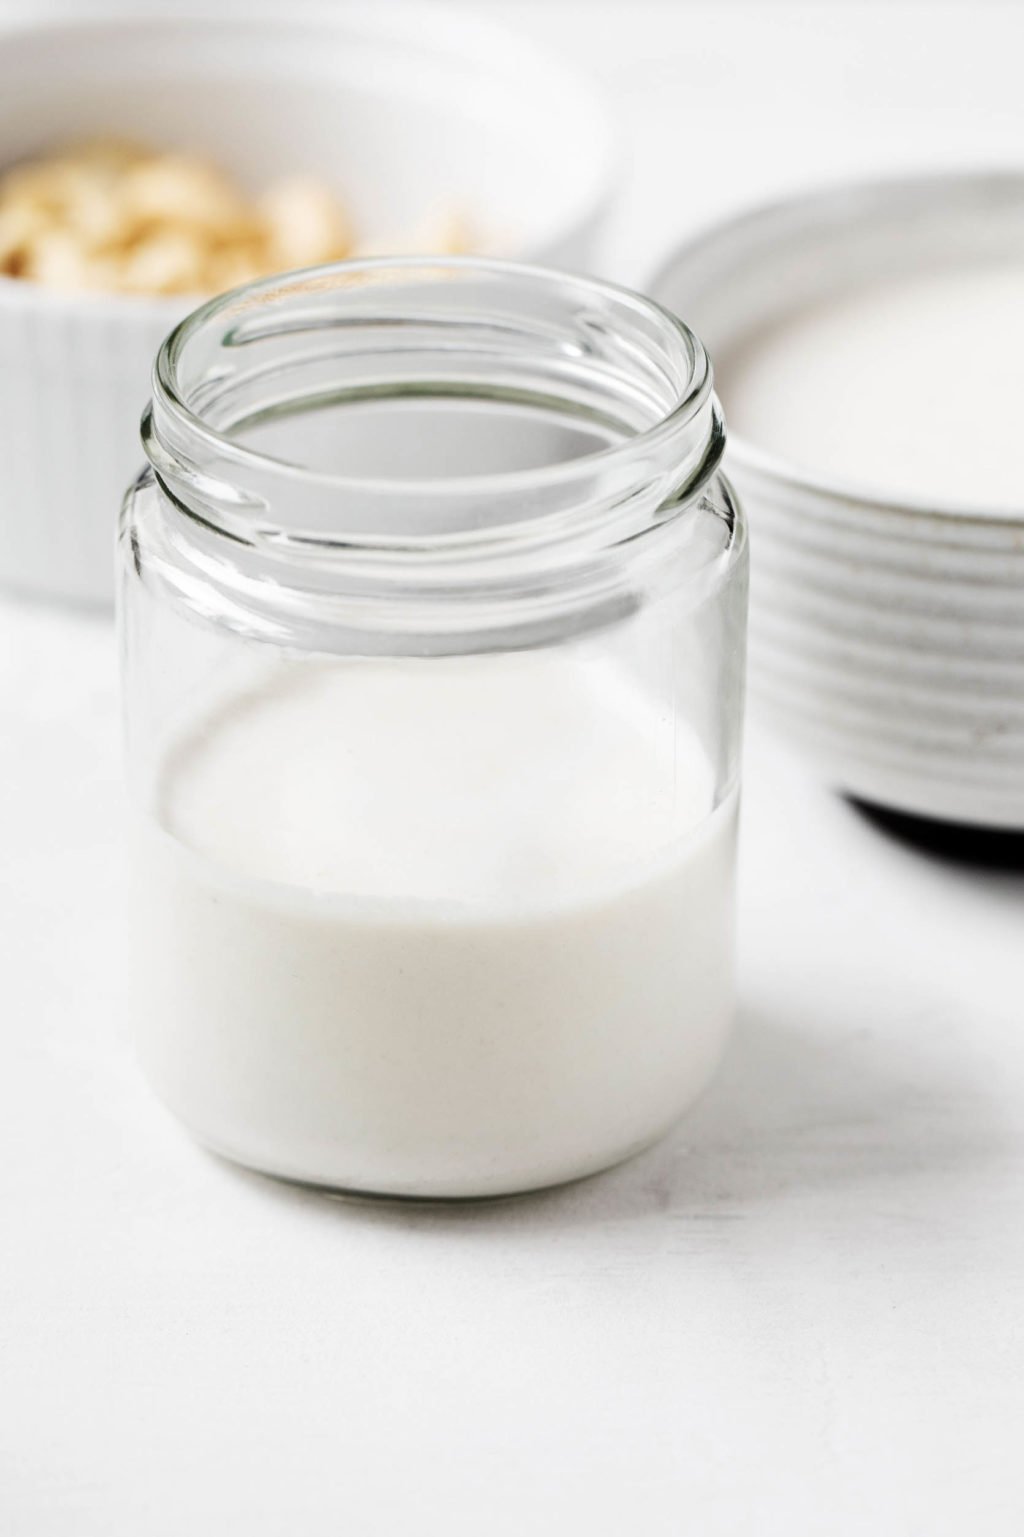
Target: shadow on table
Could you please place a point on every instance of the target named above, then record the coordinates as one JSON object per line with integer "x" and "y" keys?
{"x": 977, "y": 848}
{"x": 794, "y": 1112}
{"x": 797, "y": 1112}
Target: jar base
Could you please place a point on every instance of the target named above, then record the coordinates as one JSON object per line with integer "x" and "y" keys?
{"x": 366, "y": 1196}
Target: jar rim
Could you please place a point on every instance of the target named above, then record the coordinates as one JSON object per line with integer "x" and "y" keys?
{"x": 177, "y": 426}
{"x": 423, "y": 565}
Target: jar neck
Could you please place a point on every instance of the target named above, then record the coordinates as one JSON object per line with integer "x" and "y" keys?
{"x": 428, "y": 442}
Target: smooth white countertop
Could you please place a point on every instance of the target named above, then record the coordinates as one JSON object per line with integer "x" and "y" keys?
{"x": 803, "y": 1313}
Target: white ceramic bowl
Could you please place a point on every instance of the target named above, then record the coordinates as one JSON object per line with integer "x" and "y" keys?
{"x": 404, "y": 108}
{"x": 886, "y": 635}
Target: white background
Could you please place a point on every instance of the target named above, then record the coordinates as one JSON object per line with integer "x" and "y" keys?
{"x": 801, "y": 1314}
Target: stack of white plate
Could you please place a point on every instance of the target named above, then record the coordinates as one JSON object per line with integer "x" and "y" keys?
{"x": 887, "y": 635}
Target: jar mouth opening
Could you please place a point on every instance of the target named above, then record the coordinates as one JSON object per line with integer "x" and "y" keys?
{"x": 633, "y": 385}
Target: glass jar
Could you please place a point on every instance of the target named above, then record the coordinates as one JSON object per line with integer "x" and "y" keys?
{"x": 433, "y": 607}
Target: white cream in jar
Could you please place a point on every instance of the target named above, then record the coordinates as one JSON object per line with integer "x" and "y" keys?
{"x": 449, "y": 928}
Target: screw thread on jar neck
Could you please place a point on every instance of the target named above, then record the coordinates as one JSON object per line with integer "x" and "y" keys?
{"x": 324, "y": 433}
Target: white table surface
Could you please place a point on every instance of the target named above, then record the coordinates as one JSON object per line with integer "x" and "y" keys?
{"x": 800, "y": 1314}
